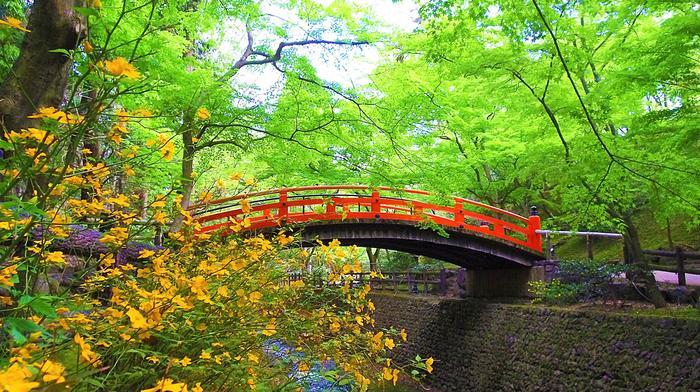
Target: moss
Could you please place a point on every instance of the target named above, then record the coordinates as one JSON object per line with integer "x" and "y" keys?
{"x": 480, "y": 345}
{"x": 672, "y": 312}
{"x": 682, "y": 313}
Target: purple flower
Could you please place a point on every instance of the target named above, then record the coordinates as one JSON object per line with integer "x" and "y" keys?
{"x": 86, "y": 242}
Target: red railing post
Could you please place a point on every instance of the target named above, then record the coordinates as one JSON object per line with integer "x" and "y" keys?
{"x": 499, "y": 231}
{"x": 376, "y": 204}
{"x": 330, "y": 209}
{"x": 534, "y": 240}
{"x": 459, "y": 213}
{"x": 283, "y": 209}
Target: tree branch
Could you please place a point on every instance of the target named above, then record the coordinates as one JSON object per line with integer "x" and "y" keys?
{"x": 268, "y": 58}
{"x": 592, "y": 123}
{"x": 548, "y": 110}
{"x": 594, "y": 127}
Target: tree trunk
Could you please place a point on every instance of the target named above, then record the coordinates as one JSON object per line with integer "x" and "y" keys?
{"x": 92, "y": 143}
{"x": 39, "y": 77}
{"x": 634, "y": 252}
{"x": 92, "y": 150}
{"x": 373, "y": 257}
{"x": 187, "y": 181}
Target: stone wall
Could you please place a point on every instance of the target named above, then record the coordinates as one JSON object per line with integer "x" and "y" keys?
{"x": 481, "y": 346}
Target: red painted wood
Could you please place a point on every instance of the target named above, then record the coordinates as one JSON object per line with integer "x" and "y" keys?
{"x": 277, "y": 207}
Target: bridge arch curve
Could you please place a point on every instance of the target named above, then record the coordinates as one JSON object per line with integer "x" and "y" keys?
{"x": 467, "y": 233}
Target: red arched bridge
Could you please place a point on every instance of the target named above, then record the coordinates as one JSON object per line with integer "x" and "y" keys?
{"x": 457, "y": 230}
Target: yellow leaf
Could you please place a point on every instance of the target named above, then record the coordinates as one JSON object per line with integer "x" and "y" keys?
{"x": 270, "y": 328}
{"x": 255, "y": 296}
{"x": 121, "y": 67}
{"x": 222, "y": 291}
{"x": 137, "y": 319}
{"x": 17, "y": 378}
{"x": 167, "y": 385}
{"x": 389, "y": 343}
{"x": 53, "y": 371}
{"x": 245, "y": 206}
{"x": 253, "y": 358}
{"x": 168, "y": 151}
{"x": 203, "y": 113}
{"x": 429, "y": 364}
{"x": 359, "y": 321}
{"x": 160, "y": 217}
{"x": 251, "y": 383}
{"x": 14, "y": 23}
{"x": 55, "y": 258}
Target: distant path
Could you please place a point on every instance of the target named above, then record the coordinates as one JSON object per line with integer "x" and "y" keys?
{"x": 672, "y": 278}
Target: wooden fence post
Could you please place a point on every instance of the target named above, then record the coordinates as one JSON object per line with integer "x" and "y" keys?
{"x": 548, "y": 244}
{"x": 681, "y": 266}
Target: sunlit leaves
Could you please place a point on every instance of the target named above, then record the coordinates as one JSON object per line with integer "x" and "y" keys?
{"x": 121, "y": 67}
{"x": 13, "y": 23}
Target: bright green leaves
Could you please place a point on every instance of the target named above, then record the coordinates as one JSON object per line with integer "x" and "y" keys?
{"x": 19, "y": 329}
{"x": 41, "y": 305}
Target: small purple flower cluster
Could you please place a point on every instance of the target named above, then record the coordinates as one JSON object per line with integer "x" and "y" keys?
{"x": 84, "y": 241}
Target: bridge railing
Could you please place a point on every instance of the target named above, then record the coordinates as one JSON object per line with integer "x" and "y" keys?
{"x": 298, "y": 205}
{"x": 422, "y": 282}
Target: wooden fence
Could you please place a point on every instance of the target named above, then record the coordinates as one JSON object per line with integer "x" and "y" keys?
{"x": 680, "y": 255}
{"x": 425, "y": 282}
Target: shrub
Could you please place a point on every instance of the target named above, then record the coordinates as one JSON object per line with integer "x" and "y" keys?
{"x": 578, "y": 280}
{"x": 554, "y": 292}
{"x": 198, "y": 313}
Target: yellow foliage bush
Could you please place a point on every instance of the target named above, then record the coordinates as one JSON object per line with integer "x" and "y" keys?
{"x": 201, "y": 312}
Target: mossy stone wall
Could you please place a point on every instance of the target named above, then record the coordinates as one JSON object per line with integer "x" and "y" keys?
{"x": 482, "y": 346}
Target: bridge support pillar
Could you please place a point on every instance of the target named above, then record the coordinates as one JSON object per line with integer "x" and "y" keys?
{"x": 511, "y": 282}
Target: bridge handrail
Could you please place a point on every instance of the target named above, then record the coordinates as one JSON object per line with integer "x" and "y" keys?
{"x": 250, "y": 195}
{"x": 280, "y": 208}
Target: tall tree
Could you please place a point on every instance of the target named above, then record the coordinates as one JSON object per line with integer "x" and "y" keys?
{"x": 40, "y": 75}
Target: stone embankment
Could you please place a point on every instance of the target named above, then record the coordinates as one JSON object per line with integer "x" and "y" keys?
{"x": 482, "y": 346}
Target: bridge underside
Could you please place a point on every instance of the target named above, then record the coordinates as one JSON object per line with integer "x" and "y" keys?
{"x": 465, "y": 249}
